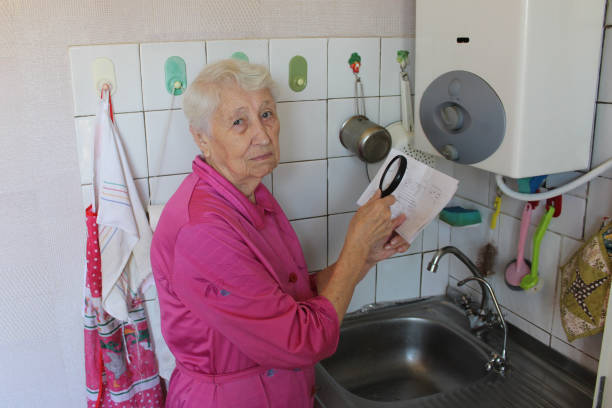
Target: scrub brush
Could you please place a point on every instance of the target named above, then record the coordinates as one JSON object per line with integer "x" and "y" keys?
{"x": 487, "y": 254}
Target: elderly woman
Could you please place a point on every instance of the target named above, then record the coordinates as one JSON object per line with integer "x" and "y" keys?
{"x": 241, "y": 314}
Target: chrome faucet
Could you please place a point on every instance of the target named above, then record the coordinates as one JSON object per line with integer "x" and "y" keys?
{"x": 497, "y": 362}
{"x": 433, "y": 267}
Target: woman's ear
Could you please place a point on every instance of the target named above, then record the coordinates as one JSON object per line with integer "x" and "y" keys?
{"x": 201, "y": 140}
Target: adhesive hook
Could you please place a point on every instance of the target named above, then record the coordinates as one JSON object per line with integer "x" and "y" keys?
{"x": 239, "y": 55}
{"x": 298, "y": 73}
{"x": 103, "y": 71}
{"x": 176, "y": 73}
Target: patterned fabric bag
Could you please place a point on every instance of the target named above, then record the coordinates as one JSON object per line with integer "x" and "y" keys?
{"x": 585, "y": 286}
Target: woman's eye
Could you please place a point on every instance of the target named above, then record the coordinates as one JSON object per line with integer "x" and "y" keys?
{"x": 267, "y": 114}
{"x": 238, "y": 122}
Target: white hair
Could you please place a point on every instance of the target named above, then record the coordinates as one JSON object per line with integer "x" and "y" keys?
{"x": 203, "y": 95}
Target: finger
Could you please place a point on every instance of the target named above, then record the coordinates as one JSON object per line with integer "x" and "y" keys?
{"x": 375, "y": 196}
{"x": 397, "y": 221}
{"x": 389, "y": 200}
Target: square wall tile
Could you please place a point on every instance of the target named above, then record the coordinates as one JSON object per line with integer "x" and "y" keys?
{"x": 390, "y": 68}
{"x": 255, "y": 50}
{"x": 340, "y": 77}
{"x": 142, "y": 188}
{"x": 312, "y": 233}
{"x": 390, "y": 110}
{"x": 314, "y": 50}
{"x": 575, "y": 354}
{"x": 153, "y": 57}
{"x": 337, "y": 226}
{"x": 473, "y": 183}
{"x": 131, "y": 131}
{"x": 128, "y": 95}
{"x": 365, "y": 292}
{"x": 590, "y": 345}
{"x": 605, "y": 75}
{"x": 346, "y": 182}
{"x": 398, "y": 278}
{"x": 267, "y": 181}
{"x": 560, "y": 179}
{"x": 526, "y": 326}
{"x": 602, "y": 140}
{"x": 430, "y": 236}
{"x": 301, "y": 188}
{"x": 599, "y": 205}
{"x": 171, "y": 146}
{"x": 303, "y": 133}
{"x": 434, "y": 283}
{"x": 338, "y": 112}
{"x": 162, "y": 188}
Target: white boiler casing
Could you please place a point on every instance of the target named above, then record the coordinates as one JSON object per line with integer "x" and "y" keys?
{"x": 508, "y": 86}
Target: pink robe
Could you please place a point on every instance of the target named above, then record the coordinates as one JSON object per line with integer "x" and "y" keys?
{"x": 238, "y": 308}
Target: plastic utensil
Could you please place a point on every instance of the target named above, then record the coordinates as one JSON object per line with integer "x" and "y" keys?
{"x": 518, "y": 268}
{"x": 531, "y": 280}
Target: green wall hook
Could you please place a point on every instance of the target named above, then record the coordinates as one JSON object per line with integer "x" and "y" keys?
{"x": 298, "y": 73}
{"x": 176, "y": 75}
{"x": 239, "y": 55}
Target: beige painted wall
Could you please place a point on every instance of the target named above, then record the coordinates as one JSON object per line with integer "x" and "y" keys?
{"x": 41, "y": 218}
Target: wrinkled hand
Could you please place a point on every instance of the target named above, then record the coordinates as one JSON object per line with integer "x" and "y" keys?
{"x": 372, "y": 230}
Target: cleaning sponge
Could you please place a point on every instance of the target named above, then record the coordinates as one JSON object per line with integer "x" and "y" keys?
{"x": 460, "y": 217}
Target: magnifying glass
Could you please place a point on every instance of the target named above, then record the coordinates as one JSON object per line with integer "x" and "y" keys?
{"x": 393, "y": 174}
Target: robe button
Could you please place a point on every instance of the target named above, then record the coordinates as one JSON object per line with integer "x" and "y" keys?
{"x": 292, "y": 277}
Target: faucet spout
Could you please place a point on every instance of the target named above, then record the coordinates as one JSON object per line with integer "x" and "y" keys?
{"x": 433, "y": 267}
{"x": 497, "y": 362}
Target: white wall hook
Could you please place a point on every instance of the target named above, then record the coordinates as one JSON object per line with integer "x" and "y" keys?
{"x": 103, "y": 71}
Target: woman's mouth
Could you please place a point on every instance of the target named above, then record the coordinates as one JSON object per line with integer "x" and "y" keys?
{"x": 262, "y": 157}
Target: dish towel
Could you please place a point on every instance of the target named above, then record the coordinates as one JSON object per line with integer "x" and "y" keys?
{"x": 125, "y": 235}
{"x": 585, "y": 286}
{"x": 120, "y": 365}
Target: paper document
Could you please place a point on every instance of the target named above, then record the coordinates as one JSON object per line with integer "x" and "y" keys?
{"x": 422, "y": 193}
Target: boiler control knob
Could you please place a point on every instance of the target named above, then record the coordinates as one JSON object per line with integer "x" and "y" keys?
{"x": 452, "y": 117}
{"x": 450, "y": 152}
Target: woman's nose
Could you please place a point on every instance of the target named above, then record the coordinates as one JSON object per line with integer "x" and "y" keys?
{"x": 260, "y": 134}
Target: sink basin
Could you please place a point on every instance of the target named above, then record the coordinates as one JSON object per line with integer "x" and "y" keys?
{"x": 404, "y": 358}
{"x": 401, "y": 353}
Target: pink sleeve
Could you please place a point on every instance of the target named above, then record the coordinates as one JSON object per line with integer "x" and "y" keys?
{"x": 218, "y": 278}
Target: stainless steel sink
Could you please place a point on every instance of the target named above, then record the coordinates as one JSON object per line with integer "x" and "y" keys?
{"x": 402, "y": 352}
{"x": 423, "y": 354}
{"x": 403, "y": 358}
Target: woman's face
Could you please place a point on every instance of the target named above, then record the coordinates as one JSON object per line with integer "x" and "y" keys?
{"x": 243, "y": 140}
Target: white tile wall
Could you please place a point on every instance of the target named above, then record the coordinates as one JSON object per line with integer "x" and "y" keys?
{"x": 319, "y": 177}
{"x": 128, "y": 95}
{"x": 303, "y": 133}
{"x": 605, "y": 78}
{"x": 300, "y": 188}
{"x": 341, "y": 80}
{"x": 346, "y": 180}
{"x": 255, "y": 50}
{"x": 390, "y": 110}
{"x": 337, "y": 226}
{"x": 179, "y": 149}
{"x": 312, "y": 233}
{"x": 132, "y": 133}
{"x": 162, "y": 188}
{"x": 153, "y": 58}
{"x": 365, "y": 292}
{"x": 398, "y": 278}
{"x": 338, "y": 111}
{"x": 389, "y": 67}
{"x": 434, "y": 283}
{"x": 314, "y": 50}
{"x": 602, "y": 141}
{"x": 599, "y": 205}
